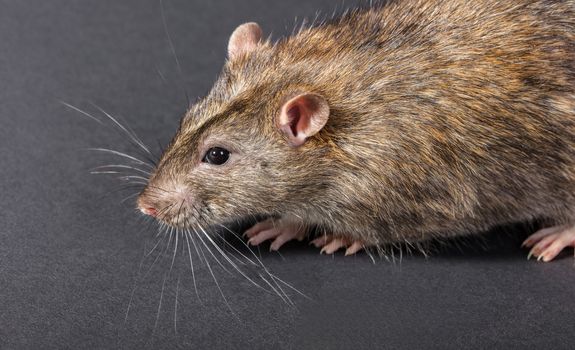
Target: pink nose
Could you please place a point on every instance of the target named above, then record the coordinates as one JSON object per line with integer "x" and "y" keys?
{"x": 149, "y": 211}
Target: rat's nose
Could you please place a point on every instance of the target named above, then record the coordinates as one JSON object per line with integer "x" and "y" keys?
{"x": 149, "y": 211}
{"x": 146, "y": 207}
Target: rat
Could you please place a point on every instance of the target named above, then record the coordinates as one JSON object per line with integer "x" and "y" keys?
{"x": 401, "y": 122}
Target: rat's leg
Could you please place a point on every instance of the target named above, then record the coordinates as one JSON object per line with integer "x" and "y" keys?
{"x": 330, "y": 244}
{"x": 280, "y": 230}
{"x": 548, "y": 242}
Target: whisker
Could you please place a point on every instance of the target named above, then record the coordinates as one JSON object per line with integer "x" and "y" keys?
{"x": 290, "y": 286}
{"x": 162, "y": 212}
{"x": 121, "y": 154}
{"x": 160, "y": 253}
{"x": 273, "y": 288}
{"x": 175, "y": 250}
{"x": 191, "y": 264}
{"x": 282, "y": 290}
{"x": 273, "y": 277}
{"x": 177, "y": 235}
{"x": 82, "y": 112}
{"x": 132, "y": 182}
{"x": 261, "y": 264}
{"x": 235, "y": 249}
{"x": 125, "y": 187}
{"x": 159, "y": 305}
{"x": 128, "y": 177}
{"x": 105, "y": 172}
{"x": 157, "y": 243}
{"x": 122, "y": 166}
{"x": 176, "y": 307}
{"x": 130, "y": 196}
{"x": 130, "y": 133}
{"x": 173, "y": 49}
{"x": 160, "y": 146}
{"x": 371, "y": 256}
{"x": 161, "y": 74}
{"x": 217, "y": 283}
{"x": 133, "y": 138}
{"x": 211, "y": 253}
{"x": 134, "y": 287}
{"x": 230, "y": 261}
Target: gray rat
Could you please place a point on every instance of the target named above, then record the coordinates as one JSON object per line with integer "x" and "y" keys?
{"x": 399, "y": 123}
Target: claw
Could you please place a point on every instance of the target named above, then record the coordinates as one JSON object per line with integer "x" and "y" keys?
{"x": 330, "y": 244}
{"x": 282, "y": 231}
{"x": 549, "y": 242}
{"x": 354, "y": 248}
{"x": 333, "y": 246}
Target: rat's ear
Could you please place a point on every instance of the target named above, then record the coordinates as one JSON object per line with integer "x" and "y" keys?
{"x": 303, "y": 116}
{"x": 244, "y": 39}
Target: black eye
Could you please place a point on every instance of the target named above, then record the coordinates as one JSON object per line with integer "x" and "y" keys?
{"x": 216, "y": 156}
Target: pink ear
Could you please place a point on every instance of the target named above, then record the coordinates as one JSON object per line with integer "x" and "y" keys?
{"x": 244, "y": 39}
{"x": 303, "y": 116}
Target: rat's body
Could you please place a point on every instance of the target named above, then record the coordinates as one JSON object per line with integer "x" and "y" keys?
{"x": 402, "y": 123}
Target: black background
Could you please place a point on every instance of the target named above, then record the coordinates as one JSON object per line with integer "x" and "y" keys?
{"x": 70, "y": 255}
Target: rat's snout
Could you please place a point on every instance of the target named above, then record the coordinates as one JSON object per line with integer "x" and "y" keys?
{"x": 146, "y": 207}
{"x": 149, "y": 211}
{"x": 169, "y": 204}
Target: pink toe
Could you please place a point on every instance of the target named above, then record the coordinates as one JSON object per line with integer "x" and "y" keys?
{"x": 263, "y": 236}
{"x": 555, "y": 248}
{"x": 320, "y": 241}
{"x": 354, "y": 248}
{"x": 549, "y": 255}
{"x": 279, "y": 241}
{"x": 259, "y": 227}
{"x": 542, "y": 245}
{"x": 332, "y": 246}
{"x": 540, "y": 234}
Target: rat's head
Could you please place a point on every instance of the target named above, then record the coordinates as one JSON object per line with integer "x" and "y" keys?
{"x": 247, "y": 148}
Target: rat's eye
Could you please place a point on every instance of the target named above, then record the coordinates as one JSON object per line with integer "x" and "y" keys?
{"x": 216, "y": 156}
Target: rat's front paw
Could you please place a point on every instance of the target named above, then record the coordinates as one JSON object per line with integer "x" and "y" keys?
{"x": 280, "y": 230}
{"x": 330, "y": 244}
{"x": 549, "y": 242}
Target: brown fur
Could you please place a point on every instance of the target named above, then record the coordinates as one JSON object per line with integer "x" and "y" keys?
{"x": 447, "y": 117}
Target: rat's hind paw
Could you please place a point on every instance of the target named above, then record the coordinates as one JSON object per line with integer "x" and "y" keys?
{"x": 549, "y": 242}
{"x": 280, "y": 230}
{"x": 330, "y": 244}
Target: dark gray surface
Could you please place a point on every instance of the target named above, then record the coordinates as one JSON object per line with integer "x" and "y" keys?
{"x": 69, "y": 258}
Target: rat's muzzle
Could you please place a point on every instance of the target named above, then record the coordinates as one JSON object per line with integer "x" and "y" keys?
{"x": 169, "y": 206}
